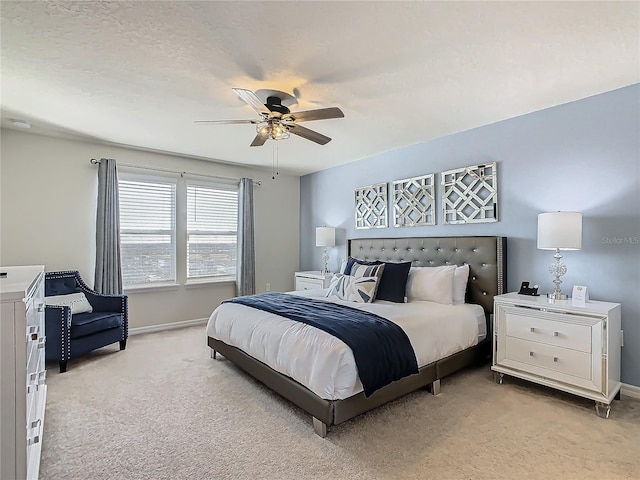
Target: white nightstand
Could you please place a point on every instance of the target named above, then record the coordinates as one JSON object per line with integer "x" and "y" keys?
{"x": 311, "y": 280}
{"x": 574, "y": 349}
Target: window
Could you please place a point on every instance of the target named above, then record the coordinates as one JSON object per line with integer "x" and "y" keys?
{"x": 147, "y": 230}
{"x": 173, "y": 230}
{"x": 212, "y": 230}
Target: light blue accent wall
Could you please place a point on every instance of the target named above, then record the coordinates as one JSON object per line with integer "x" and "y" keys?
{"x": 582, "y": 156}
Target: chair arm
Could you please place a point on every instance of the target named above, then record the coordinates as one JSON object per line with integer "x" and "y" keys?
{"x": 106, "y": 303}
{"x": 57, "y": 321}
{"x": 111, "y": 303}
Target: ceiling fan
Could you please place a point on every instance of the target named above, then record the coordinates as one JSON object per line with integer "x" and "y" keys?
{"x": 277, "y": 121}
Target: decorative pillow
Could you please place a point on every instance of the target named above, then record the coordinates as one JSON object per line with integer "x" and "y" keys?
{"x": 393, "y": 284}
{"x": 347, "y": 287}
{"x": 76, "y": 301}
{"x": 351, "y": 261}
{"x": 434, "y": 284}
{"x": 460, "y": 279}
{"x": 364, "y": 270}
{"x": 358, "y": 271}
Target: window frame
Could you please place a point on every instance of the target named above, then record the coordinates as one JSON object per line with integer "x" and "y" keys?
{"x": 214, "y": 185}
{"x": 171, "y": 232}
{"x": 180, "y": 238}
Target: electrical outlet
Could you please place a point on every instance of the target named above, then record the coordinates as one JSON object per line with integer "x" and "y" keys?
{"x": 268, "y": 287}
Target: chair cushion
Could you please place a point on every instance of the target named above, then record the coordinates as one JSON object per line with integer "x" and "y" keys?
{"x": 83, "y": 324}
{"x": 61, "y": 286}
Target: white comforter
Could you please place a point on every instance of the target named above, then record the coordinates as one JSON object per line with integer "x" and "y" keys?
{"x": 325, "y": 364}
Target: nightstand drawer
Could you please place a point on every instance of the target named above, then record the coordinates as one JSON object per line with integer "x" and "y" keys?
{"x": 311, "y": 280}
{"x": 529, "y": 327}
{"x": 308, "y": 283}
{"x": 557, "y": 361}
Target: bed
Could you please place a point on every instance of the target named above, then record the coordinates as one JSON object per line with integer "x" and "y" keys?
{"x": 331, "y": 406}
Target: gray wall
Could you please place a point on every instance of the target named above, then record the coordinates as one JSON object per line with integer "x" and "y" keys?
{"x": 582, "y": 156}
{"x": 48, "y": 193}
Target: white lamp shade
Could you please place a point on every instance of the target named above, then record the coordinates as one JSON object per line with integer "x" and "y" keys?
{"x": 561, "y": 230}
{"x": 325, "y": 236}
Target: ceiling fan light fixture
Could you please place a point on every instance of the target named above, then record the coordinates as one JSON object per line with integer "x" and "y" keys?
{"x": 264, "y": 130}
{"x": 272, "y": 129}
{"x": 279, "y": 131}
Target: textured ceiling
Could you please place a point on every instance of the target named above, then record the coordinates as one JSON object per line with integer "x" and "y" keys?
{"x": 140, "y": 73}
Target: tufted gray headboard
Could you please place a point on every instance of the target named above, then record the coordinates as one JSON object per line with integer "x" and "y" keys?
{"x": 486, "y": 257}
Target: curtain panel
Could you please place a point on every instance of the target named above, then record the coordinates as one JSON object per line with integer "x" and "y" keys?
{"x": 108, "y": 274}
{"x": 246, "y": 271}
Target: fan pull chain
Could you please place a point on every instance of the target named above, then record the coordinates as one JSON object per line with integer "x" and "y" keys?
{"x": 275, "y": 170}
{"x": 273, "y": 161}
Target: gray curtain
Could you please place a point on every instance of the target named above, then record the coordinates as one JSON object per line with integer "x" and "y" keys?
{"x": 108, "y": 278}
{"x": 246, "y": 273}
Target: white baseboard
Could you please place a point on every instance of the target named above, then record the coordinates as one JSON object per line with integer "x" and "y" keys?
{"x": 167, "y": 326}
{"x": 630, "y": 391}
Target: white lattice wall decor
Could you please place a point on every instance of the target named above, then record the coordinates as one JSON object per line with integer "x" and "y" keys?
{"x": 371, "y": 206}
{"x": 470, "y": 194}
{"x": 414, "y": 202}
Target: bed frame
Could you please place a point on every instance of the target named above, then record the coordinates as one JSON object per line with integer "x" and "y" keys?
{"x": 486, "y": 257}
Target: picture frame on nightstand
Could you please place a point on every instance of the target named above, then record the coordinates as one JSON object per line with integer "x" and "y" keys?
{"x": 580, "y": 296}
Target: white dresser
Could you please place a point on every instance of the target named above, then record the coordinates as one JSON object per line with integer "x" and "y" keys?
{"x": 571, "y": 348}
{"x": 22, "y": 363}
{"x": 311, "y": 280}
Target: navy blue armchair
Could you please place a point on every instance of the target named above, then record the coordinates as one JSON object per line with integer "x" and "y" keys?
{"x": 70, "y": 336}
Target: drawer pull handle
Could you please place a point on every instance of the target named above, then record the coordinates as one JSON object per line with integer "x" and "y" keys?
{"x": 532, "y": 329}
{"x": 36, "y": 423}
{"x": 555, "y": 359}
{"x": 40, "y": 307}
{"x": 33, "y": 440}
{"x": 32, "y": 332}
{"x": 41, "y": 342}
{"x": 531, "y": 354}
{"x": 556, "y": 334}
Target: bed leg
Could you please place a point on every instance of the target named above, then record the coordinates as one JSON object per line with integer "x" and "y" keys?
{"x": 213, "y": 354}
{"x": 435, "y": 387}
{"x": 319, "y": 427}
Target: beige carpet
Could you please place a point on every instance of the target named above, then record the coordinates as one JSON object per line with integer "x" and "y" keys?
{"x": 163, "y": 409}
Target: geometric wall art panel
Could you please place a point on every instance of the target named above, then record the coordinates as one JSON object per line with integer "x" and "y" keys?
{"x": 371, "y": 206}
{"x": 414, "y": 202}
{"x": 470, "y": 194}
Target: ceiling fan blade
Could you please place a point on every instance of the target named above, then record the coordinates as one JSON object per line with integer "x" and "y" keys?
{"x": 317, "y": 114}
{"x": 229, "y": 122}
{"x": 258, "y": 141}
{"x": 309, "y": 134}
{"x": 253, "y": 100}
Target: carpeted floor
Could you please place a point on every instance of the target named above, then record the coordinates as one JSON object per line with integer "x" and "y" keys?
{"x": 163, "y": 409}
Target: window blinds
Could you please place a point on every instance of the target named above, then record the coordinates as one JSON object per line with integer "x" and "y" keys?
{"x": 212, "y": 230}
{"x": 148, "y": 230}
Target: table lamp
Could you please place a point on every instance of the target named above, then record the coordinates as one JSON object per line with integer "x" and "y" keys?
{"x": 559, "y": 231}
{"x": 325, "y": 237}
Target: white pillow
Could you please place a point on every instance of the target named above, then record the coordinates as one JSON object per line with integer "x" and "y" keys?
{"x": 348, "y": 287}
{"x": 433, "y": 284}
{"x": 343, "y": 266}
{"x": 76, "y": 301}
{"x": 460, "y": 279}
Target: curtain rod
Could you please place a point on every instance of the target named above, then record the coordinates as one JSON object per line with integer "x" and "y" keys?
{"x": 95, "y": 161}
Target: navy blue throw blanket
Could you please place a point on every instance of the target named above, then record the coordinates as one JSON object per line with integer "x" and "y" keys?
{"x": 381, "y": 349}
